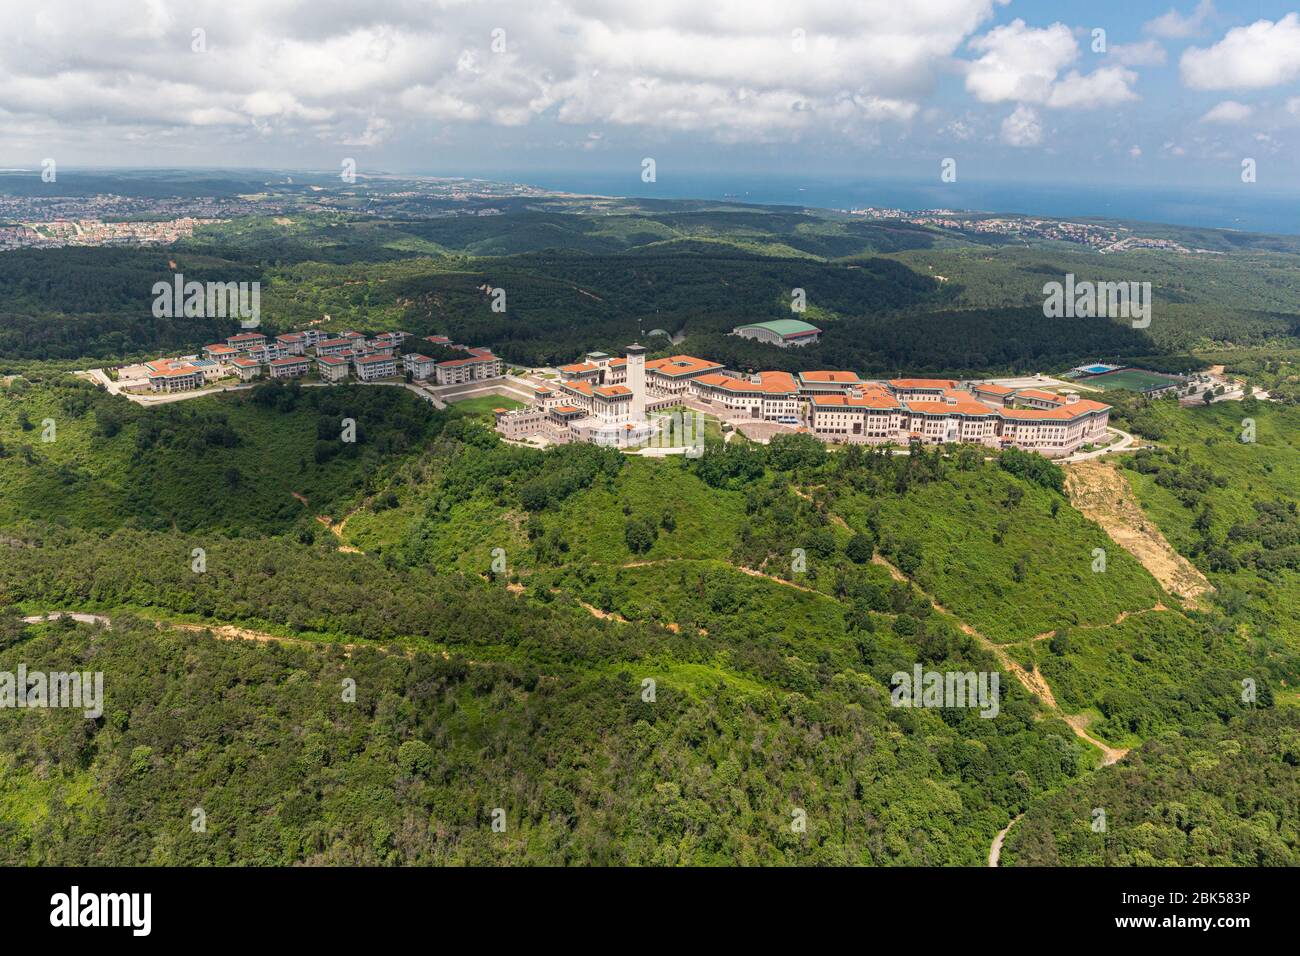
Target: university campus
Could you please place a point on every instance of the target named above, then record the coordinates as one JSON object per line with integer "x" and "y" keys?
{"x": 611, "y": 400}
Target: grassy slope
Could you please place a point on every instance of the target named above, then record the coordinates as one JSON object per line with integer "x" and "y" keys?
{"x": 955, "y": 523}
{"x": 1265, "y": 470}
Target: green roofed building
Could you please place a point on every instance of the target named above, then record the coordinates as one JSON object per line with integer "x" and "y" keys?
{"x": 782, "y": 332}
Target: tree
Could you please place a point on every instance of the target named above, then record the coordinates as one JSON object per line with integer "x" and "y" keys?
{"x": 639, "y": 534}
{"x": 859, "y": 549}
{"x": 908, "y": 556}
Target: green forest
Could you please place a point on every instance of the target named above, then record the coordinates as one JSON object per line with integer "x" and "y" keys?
{"x": 428, "y": 646}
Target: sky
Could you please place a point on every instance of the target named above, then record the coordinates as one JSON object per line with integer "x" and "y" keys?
{"x": 1069, "y": 91}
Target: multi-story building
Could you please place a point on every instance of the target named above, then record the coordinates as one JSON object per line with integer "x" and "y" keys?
{"x": 292, "y": 343}
{"x": 764, "y": 396}
{"x": 673, "y": 375}
{"x": 992, "y": 393}
{"x": 334, "y": 346}
{"x": 872, "y": 416}
{"x": 170, "y": 375}
{"x": 836, "y": 406}
{"x": 481, "y": 365}
{"x": 246, "y": 368}
{"x": 263, "y": 354}
{"x": 1054, "y": 432}
{"x": 420, "y": 366}
{"x": 1037, "y": 398}
{"x": 920, "y": 389}
{"x": 332, "y": 368}
{"x": 211, "y": 370}
{"x": 954, "y": 417}
{"x": 289, "y": 366}
{"x": 246, "y": 340}
{"x": 828, "y": 383}
{"x": 876, "y": 415}
{"x": 219, "y": 352}
{"x": 374, "y": 366}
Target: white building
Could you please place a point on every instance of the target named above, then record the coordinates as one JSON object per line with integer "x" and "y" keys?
{"x": 289, "y": 366}
{"x": 332, "y": 368}
{"x": 375, "y": 366}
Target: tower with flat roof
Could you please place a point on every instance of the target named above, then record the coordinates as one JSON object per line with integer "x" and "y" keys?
{"x": 636, "y": 380}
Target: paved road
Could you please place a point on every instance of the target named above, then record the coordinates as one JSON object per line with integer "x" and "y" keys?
{"x": 1125, "y": 443}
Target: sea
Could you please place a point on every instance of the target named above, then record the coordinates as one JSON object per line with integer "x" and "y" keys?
{"x": 1248, "y": 207}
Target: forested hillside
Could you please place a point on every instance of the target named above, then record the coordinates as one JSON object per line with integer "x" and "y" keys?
{"x": 890, "y": 296}
{"x": 520, "y": 685}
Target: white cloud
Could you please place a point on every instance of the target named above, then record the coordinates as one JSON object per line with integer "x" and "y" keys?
{"x": 1021, "y": 64}
{"x": 363, "y": 73}
{"x": 1022, "y": 127}
{"x": 1293, "y": 106}
{"x": 1247, "y": 58}
{"x": 1175, "y": 26}
{"x": 1229, "y": 111}
{"x": 1099, "y": 88}
{"x": 1135, "y": 152}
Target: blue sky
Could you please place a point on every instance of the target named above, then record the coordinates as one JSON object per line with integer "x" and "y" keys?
{"x": 1181, "y": 93}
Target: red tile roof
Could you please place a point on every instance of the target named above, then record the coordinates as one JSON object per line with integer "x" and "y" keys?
{"x": 476, "y": 360}
{"x": 867, "y": 400}
{"x": 678, "y": 365}
{"x": 830, "y": 377}
{"x": 769, "y": 383}
{"x": 1040, "y": 395}
{"x": 1062, "y": 413}
{"x": 906, "y": 384}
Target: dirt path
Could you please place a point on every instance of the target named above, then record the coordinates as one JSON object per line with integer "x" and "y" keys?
{"x": 735, "y": 567}
{"x": 995, "y": 851}
{"x": 1033, "y": 681}
{"x": 337, "y": 529}
{"x": 226, "y": 632}
{"x": 1120, "y": 618}
{"x": 1103, "y": 494}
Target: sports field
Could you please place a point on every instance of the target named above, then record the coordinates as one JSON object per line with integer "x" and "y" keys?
{"x": 1131, "y": 378}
